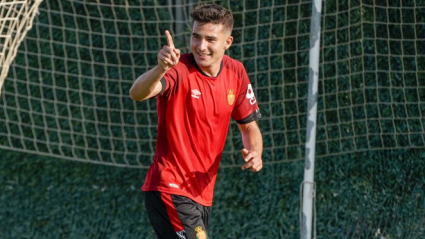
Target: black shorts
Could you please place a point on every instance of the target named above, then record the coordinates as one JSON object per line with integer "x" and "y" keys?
{"x": 176, "y": 217}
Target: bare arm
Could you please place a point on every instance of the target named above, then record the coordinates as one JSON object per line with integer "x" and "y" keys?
{"x": 253, "y": 146}
{"x": 148, "y": 84}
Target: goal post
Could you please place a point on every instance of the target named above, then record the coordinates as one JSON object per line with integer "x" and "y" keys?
{"x": 308, "y": 186}
{"x": 16, "y": 19}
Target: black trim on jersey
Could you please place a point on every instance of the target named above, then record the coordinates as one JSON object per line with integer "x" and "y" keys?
{"x": 199, "y": 69}
{"x": 254, "y": 116}
{"x": 163, "y": 84}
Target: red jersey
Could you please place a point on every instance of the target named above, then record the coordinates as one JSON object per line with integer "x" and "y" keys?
{"x": 194, "y": 112}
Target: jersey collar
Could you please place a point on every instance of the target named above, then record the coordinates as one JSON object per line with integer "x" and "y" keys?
{"x": 199, "y": 69}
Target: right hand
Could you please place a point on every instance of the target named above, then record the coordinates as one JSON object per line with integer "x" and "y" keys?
{"x": 168, "y": 56}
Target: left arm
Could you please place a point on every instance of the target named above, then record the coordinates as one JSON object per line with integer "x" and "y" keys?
{"x": 253, "y": 146}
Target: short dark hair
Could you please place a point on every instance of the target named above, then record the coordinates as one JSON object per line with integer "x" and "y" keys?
{"x": 213, "y": 13}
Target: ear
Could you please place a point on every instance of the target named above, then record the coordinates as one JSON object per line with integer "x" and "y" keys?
{"x": 228, "y": 42}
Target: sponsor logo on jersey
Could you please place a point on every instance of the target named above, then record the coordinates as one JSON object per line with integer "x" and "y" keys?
{"x": 230, "y": 97}
{"x": 173, "y": 185}
{"x": 250, "y": 95}
{"x": 200, "y": 233}
{"x": 196, "y": 93}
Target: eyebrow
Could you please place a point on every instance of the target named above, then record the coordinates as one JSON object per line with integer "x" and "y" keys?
{"x": 208, "y": 37}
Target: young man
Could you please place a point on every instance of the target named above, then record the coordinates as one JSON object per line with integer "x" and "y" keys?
{"x": 197, "y": 94}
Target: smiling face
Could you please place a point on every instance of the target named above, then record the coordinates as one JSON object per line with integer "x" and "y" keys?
{"x": 208, "y": 43}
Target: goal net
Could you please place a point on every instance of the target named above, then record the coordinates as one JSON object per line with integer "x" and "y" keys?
{"x": 15, "y": 20}
{"x": 66, "y": 95}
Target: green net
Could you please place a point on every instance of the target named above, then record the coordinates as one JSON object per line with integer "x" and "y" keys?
{"x": 66, "y": 97}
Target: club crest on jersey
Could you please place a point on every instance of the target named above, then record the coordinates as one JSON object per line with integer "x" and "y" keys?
{"x": 200, "y": 233}
{"x": 250, "y": 95}
{"x": 230, "y": 97}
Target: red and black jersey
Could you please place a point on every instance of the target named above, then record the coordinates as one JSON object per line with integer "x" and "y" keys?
{"x": 194, "y": 112}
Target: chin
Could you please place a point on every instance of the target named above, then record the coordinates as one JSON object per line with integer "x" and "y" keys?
{"x": 201, "y": 62}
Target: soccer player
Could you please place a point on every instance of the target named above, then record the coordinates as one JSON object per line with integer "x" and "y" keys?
{"x": 197, "y": 94}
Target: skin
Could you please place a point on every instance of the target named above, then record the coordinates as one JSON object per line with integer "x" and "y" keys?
{"x": 147, "y": 85}
{"x": 253, "y": 146}
{"x": 208, "y": 45}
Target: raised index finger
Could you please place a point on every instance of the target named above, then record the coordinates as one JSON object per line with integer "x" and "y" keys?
{"x": 169, "y": 39}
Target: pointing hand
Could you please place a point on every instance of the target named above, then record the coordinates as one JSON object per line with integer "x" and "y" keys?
{"x": 168, "y": 56}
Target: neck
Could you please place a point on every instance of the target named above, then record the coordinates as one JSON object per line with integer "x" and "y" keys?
{"x": 211, "y": 70}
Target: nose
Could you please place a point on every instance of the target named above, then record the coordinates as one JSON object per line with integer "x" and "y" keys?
{"x": 202, "y": 45}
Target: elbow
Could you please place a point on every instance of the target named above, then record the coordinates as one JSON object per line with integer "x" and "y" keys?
{"x": 134, "y": 94}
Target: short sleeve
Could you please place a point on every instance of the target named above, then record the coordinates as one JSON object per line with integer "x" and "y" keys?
{"x": 170, "y": 82}
{"x": 246, "y": 103}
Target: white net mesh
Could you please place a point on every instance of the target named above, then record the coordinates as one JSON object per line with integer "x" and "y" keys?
{"x": 16, "y": 19}
{"x": 67, "y": 96}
